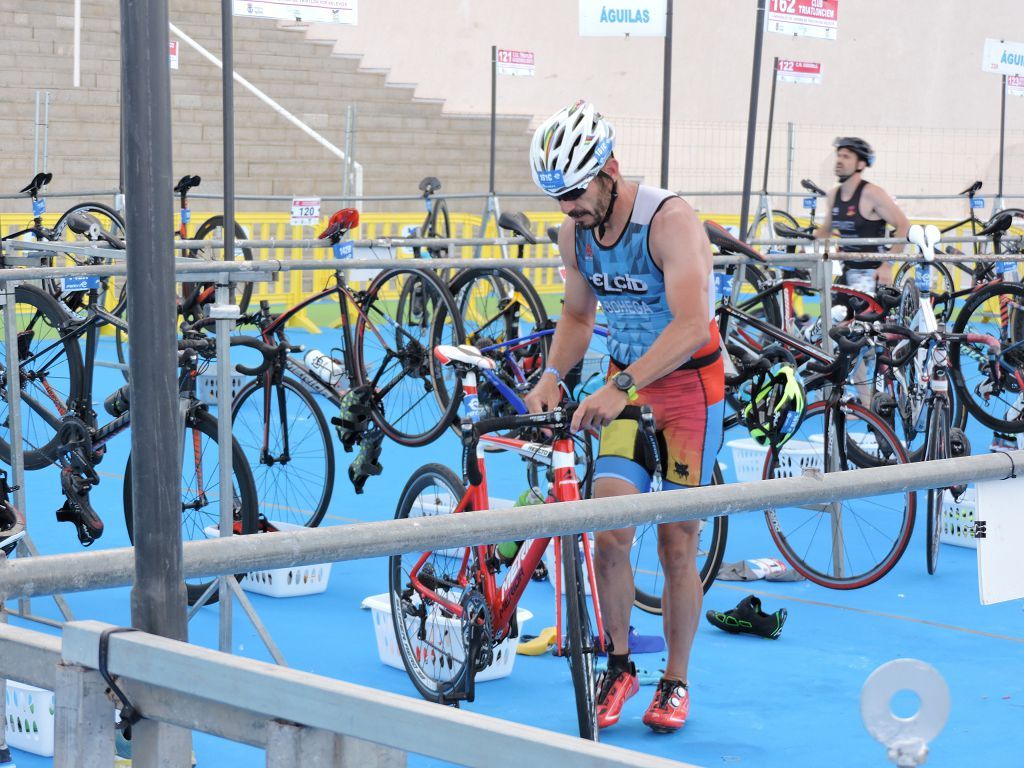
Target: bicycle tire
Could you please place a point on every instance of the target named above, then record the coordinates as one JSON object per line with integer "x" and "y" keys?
{"x": 51, "y": 375}
{"x": 796, "y": 531}
{"x": 437, "y": 224}
{"x": 647, "y": 577}
{"x": 938, "y": 448}
{"x": 968, "y": 363}
{"x": 196, "y": 519}
{"x": 942, "y": 285}
{"x": 582, "y": 652}
{"x": 240, "y": 294}
{"x": 498, "y": 305}
{"x": 766, "y": 308}
{"x": 396, "y": 362}
{"x": 1012, "y": 241}
{"x": 436, "y": 667}
{"x": 297, "y": 489}
{"x": 778, "y": 217}
{"x": 112, "y": 295}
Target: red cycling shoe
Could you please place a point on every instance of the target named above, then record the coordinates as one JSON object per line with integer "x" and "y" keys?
{"x": 667, "y": 713}
{"x": 614, "y": 688}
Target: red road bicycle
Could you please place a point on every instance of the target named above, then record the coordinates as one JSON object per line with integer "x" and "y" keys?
{"x": 453, "y": 607}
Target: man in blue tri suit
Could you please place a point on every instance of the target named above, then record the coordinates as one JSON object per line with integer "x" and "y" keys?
{"x": 642, "y": 252}
{"x": 858, "y": 208}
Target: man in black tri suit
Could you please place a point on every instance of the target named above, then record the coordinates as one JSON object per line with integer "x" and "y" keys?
{"x": 858, "y": 208}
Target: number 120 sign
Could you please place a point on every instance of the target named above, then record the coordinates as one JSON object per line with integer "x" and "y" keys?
{"x": 812, "y": 18}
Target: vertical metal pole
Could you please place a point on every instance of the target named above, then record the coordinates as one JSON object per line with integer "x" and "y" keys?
{"x": 35, "y": 141}
{"x": 223, "y": 298}
{"x": 158, "y": 595}
{"x": 77, "y": 76}
{"x": 790, "y": 135}
{"x": 346, "y": 187}
{"x": 46, "y": 128}
{"x": 666, "y": 96}
{"x": 771, "y": 120}
{"x": 755, "y": 77}
{"x": 14, "y": 405}
{"x": 1002, "y": 142}
{"x": 494, "y": 115}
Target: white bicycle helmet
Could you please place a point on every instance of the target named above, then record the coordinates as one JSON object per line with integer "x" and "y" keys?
{"x": 570, "y": 148}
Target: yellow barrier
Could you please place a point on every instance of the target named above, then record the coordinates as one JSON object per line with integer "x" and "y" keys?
{"x": 286, "y": 289}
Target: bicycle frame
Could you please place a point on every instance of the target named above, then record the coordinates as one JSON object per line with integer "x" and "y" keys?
{"x": 503, "y": 600}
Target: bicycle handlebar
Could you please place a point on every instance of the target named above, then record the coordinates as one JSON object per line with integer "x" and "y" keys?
{"x": 270, "y": 353}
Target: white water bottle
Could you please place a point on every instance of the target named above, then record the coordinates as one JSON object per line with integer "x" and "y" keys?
{"x": 327, "y": 369}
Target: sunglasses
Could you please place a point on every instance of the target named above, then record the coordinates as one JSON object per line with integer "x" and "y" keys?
{"x": 572, "y": 194}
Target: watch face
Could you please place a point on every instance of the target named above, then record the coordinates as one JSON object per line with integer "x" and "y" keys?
{"x": 623, "y": 380}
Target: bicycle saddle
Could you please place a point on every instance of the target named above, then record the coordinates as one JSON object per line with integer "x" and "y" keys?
{"x": 185, "y": 183}
{"x": 340, "y": 223}
{"x": 464, "y": 353}
{"x": 999, "y": 224}
{"x": 553, "y": 233}
{"x": 813, "y": 188}
{"x": 429, "y": 185}
{"x": 781, "y": 230}
{"x": 39, "y": 181}
{"x": 972, "y": 189}
{"x": 518, "y": 223}
{"x": 726, "y": 243}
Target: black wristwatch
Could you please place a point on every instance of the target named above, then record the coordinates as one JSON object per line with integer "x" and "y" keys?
{"x": 624, "y": 382}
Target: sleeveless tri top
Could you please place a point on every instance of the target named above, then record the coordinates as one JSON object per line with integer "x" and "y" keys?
{"x": 847, "y": 219}
{"x": 631, "y": 287}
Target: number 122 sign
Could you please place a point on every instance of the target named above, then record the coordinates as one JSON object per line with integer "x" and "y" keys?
{"x": 812, "y": 18}
{"x": 790, "y": 71}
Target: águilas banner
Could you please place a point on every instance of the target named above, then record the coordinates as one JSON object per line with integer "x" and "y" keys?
{"x": 618, "y": 18}
{"x": 1003, "y": 57}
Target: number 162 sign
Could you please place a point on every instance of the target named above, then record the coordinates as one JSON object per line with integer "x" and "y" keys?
{"x": 811, "y": 18}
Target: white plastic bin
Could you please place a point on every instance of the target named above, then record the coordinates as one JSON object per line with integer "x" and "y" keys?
{"x": 30, "y": 713}
{"x": 387, "y": 643}
{"x": 284, "y": 582}
{"x": 749, "y": 457}
{"x": 958, "y": 519}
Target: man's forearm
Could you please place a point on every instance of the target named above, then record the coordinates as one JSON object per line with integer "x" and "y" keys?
{"x": 570, "y": 342}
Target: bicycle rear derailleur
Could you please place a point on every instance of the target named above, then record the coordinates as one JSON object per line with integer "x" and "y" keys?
{"x": 77, "y": 477}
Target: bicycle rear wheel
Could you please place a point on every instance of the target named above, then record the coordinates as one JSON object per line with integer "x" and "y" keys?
{"x": 994, "y": 400}
{"x": 940, "y": 283}
{"x": 294, "y": 469}
{"x": 938, "y": 448}
{"x": 50, "y": 367}
{"x": 395, "y": 359}
{"x": 582, "y": 651}
{"x": 213, "y": 229}
{"x": 201, "y": 492}
{"x": 648, "y": 579}
{"x": 842, "y": 544}
{"x": 430, "y": 639}
{"x": 112, "y": 287}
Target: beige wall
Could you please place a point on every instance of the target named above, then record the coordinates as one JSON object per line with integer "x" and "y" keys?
{"x": 906, "y": 75}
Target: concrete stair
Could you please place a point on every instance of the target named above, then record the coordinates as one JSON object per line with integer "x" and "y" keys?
{"x": 398, "y": 138}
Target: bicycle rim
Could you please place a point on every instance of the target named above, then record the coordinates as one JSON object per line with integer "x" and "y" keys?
{"x": 938, "y": 448}
{"x": 429, "y": 638}
{"x": 201, "y": 492}
{"x": 842, "y": 544}
{"x": 394, "y": 356}
{"x": 582, "y": 652}
{"x": 649, "y": 581}
{"x": 294, "y": 469}
{"x": 995, "y": 401}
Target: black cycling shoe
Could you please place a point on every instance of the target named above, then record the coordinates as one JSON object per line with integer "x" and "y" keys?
{"x": 77, "y": 509}
{"x": 748, "y": 618}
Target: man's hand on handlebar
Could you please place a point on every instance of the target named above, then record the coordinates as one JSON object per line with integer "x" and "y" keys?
{"x": 600, "y": 408}
{"x": 545, "y": 396}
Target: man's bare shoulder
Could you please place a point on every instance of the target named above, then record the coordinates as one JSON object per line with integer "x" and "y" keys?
{"x": 674, "y": 213}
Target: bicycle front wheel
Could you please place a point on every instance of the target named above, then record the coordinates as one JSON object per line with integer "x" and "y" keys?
{"x": 841, "y": 544}
{"x": 201, "y": 492}
{"x": 990, "y": 394}
{"x": 394, "y": 356}
{"x": 285, "y": 439}
{"x": 649, "y": 581}
{"x": 50, "y": 367}
{"x": 938, "y": 448}
{"x": 581, "y": 631}
{"x": 430, "y": 639}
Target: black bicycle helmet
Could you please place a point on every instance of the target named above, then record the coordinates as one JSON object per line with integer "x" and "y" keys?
{"x": 858, "y": 146}
{"x": 776, "y": 406}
